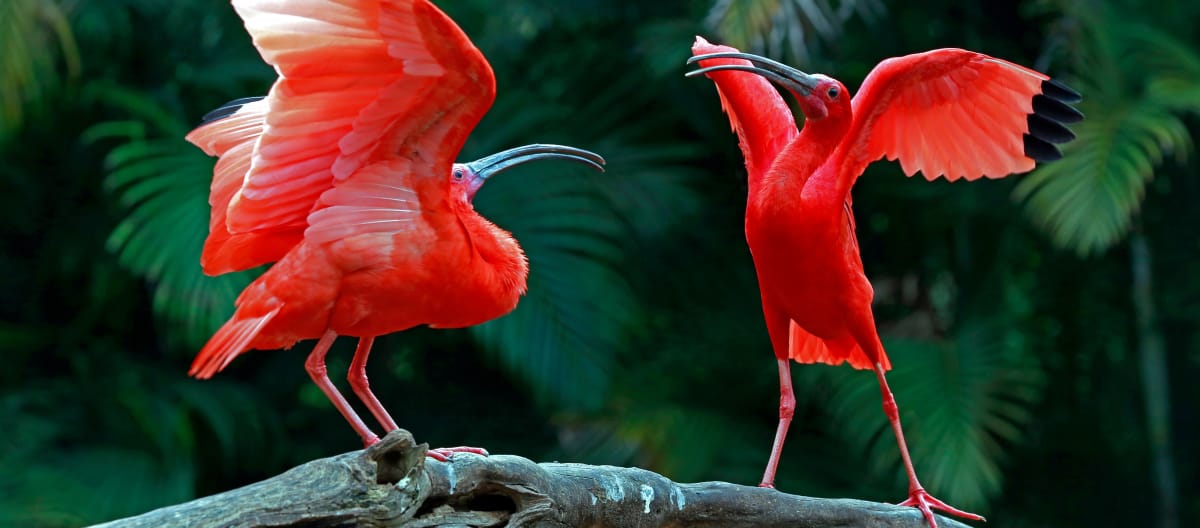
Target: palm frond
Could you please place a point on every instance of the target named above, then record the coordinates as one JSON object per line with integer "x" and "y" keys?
{"x": 34, "y": 35}
{"x": 785, "y": 27}
{"x": 1137, "y": 81}
{"x": 1087, "y": 200}
{"x": 163, "y": 186}
{"x": 963, "y": 405}
{"x": 579, "y": 229}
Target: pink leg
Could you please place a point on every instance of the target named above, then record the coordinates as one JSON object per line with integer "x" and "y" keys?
{"x": 917, "y": 496}
{"x": 787, "y": 407}
{"x": 317, "y": 371}
{"x": 358, "y": 382}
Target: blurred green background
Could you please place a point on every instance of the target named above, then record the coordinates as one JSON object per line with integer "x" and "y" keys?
{"x": 1043, "y": 327}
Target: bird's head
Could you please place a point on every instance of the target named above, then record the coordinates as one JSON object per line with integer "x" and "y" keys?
{"x": 469, "y": 177}
{"x": 820, "y": 96}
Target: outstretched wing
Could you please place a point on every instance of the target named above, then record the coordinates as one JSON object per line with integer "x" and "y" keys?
{"x": 762, "y": 120}
{"x": 360, "y": 82}
{"x": 959, "y": 114}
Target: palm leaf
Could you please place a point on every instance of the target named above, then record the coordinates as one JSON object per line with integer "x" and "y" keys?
{"x": 1135, "y": 98}
{"x": 962, "y": 403}
{"x": 34, "y": 34}
{"x": 785, "y": 27}
{"x": 580, "y": 229}
{"x": 1087, "y": 200}
{"x": 163, "y": 186}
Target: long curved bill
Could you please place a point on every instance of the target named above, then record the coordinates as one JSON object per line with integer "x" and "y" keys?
{"x": 501, "y": 161}
{"x": 782, "y": 74}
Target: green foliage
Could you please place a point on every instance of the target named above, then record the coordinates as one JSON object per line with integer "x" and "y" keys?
{"x": 641, "y": 340}
{"x": 163, "y": 184}
{"x": 34, "y": 34}
{"x": 786, "y": 28}
{"x": 1140, "y": 83}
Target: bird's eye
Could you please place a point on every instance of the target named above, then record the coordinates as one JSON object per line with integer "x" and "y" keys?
{"x": 832, "y": 93}
{"x": 458, "y": 174}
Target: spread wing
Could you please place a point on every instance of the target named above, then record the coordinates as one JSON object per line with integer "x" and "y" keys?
{"x": 762, "y": 120}
{"x": 959, "y": 114}
{"x": 360, "y": 82}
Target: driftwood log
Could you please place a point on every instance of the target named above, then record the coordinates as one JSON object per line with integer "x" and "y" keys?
{"x": 393, "y": 484}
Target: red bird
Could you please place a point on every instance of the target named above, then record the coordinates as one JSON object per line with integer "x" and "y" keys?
{"x": 947, "y": 112}
{"x": 344, "y": 174}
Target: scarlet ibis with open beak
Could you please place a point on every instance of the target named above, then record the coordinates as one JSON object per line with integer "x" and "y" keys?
{"x": 344, "y": 174}
{"x": 946, "y": 112}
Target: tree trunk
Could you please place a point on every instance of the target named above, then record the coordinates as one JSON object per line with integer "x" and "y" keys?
{"x": 1152, "y": 358}
{"x": 393, "y": 484}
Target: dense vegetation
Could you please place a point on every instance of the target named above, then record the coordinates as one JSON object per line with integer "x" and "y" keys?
{"x": 1043, "y": 327}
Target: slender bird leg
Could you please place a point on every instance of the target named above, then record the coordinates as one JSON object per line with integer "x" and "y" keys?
{"x": 358, "y": 382}
{"x": 917, "y": 496}
{"x": 317, "y": 371}
{"x": 787, "y": 407}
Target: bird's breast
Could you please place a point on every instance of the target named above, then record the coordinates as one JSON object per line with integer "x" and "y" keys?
{"x": 805, "y": 260}
{"x": 443, "y": 280}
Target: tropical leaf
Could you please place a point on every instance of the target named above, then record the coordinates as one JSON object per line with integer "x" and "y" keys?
{"x": 788, "y": 28}
{"x": 1087, "y": 200}
{"x": 163, "y": 186}
{"x": 962, "y": 404}
{"x": 34, "y": 34}
{"x": 1138, "y": 82}
{"x": 578, "y": 229}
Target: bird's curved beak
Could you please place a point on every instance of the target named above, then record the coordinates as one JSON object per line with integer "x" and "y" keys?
{"x": 786, "y": 76}
{"x": 489, "y": 166}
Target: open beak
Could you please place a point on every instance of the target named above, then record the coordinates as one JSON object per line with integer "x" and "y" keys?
{"x": 489, "y": 166}
{"x": 786, "y": 76}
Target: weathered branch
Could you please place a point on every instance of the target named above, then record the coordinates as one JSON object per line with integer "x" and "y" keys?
{"x": 393, "y": 484}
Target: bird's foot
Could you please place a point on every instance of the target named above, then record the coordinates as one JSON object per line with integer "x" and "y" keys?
{"x": 922, "y": 500}
{"x": 444, "y": 454}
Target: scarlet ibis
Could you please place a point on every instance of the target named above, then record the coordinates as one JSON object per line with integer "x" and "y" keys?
{"x": 344, "y": 174}
{"x": 946, "y": 112}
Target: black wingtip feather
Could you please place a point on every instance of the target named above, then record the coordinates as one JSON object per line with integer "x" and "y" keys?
{"x": 1041, "y": 150}
{"x": 1052, "y": 111}
{"x": 1060, "y": 92}
{"x": 228, "y": 109}
{"x": 1055, "y": 110}
{"x": 1049, "y": 130}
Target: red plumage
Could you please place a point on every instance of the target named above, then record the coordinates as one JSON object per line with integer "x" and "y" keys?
{"x": 947, "y": 112}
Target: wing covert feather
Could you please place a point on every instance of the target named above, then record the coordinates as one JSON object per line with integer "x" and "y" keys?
{"x": 954, "y": 113}
{"x": 361, "y": 82}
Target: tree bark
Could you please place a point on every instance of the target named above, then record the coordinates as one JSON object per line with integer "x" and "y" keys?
{"x": 393, "y": 484}
{"x": 1152, "y": 360}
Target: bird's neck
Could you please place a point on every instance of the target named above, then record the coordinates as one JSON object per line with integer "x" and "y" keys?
{"x": 506, "y": 267}
{"x": 802, "y": 170}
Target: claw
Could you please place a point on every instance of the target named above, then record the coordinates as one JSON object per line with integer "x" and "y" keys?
{"x": 922, "y": 500}
{"x": 444, "y": 454}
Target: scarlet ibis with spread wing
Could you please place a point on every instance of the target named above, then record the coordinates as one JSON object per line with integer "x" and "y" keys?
{"x": 946, "y": 112}
{"x": 344, "y": 176}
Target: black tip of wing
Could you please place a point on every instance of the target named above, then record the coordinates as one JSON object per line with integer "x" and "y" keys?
{"x": 1060, "y": 92}
{"x": 1052, "y": 111}
{"x": 1049, "y": 130}
{"x": 227, "y": 109}
{"x": 1040, "y": 149}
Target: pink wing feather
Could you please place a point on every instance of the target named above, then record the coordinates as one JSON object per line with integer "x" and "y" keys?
{"x": 361, "y": 81}
{"x": 946, "y": 112}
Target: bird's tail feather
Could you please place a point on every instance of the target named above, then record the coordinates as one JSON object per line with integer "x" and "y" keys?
{"x": 807, "y": 348}
{"x": 230, "y": 341}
